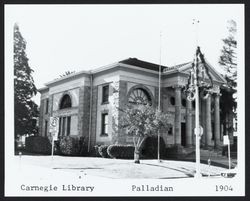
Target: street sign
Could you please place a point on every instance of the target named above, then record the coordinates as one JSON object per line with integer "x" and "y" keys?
{"x": 54, "y": 127}
{"x": 198, "y": 131}
{"x": 226, "y": 140}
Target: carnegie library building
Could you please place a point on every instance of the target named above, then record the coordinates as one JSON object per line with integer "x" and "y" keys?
{"x": 87, "y": 103}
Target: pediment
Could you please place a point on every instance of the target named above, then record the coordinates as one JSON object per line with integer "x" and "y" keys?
{"x": 213, "y": 73}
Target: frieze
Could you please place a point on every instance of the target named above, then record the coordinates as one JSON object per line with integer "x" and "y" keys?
{"x": 182, "y": 81}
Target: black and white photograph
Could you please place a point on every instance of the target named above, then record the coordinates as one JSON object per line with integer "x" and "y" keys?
{"x": 124, "y": 100}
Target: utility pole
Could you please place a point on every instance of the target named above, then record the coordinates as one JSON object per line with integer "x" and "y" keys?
{"x": 197, "y": 83}
{"x": 197, "y": 131}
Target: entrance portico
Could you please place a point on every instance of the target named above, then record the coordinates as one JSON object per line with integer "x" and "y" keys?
{"x": 183, "y": 135}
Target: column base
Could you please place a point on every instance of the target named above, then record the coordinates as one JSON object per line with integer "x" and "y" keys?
{"x": 218, "y": 144}
{"x": 209, "y": 147}
{"x": 189, "y": 146}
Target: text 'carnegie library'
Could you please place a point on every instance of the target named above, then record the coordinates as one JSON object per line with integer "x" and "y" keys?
{"x": 51, "y": 188}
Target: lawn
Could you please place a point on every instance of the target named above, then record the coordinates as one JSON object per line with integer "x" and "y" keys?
{"x": 113, "y": 168}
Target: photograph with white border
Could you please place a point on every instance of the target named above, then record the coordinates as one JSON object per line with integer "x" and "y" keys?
{"x": 124, "y": 100}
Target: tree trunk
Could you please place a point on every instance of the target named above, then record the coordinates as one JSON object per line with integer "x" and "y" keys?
{"x": 137, "y": 155}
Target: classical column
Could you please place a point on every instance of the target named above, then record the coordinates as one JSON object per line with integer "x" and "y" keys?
{"x": 217, "y": 120}
{"x": 189, "y": 123}
{"x": 208, "y": 133}
{"x": 203, "y": 121}
{"x": 65, "y": 126}
{"x": 177, "y": 124}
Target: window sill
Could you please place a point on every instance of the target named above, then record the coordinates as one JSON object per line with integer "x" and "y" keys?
{"x": 104, "y": 135}
{"x": 105, "y": 103}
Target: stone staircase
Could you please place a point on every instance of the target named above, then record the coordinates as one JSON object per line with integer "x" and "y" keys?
{"x": 188, "y": 154}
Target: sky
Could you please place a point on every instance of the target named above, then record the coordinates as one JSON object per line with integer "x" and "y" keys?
{"x": 83, "y": 37}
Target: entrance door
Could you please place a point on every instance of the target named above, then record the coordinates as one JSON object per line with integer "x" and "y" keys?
{"x": 183, "y": 134}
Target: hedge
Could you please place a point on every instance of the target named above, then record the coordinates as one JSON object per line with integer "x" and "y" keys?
{"x": 72, "y": 146}
{"x": 38, "y": 144}
{"x": 121, "y": 151}
{"x": 57, "y": 147}
{"x": 150, "y": 147}
{"x": 95, "y": 151}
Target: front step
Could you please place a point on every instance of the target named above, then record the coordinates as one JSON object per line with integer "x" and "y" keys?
{"x": 180, "y": 152}
{"x": 215, "y": 157}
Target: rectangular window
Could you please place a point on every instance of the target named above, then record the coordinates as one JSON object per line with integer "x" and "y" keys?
{"x": 104, "y": 124}
{"x": 47, "y": 106}
{"x": 46, "y": 128}
{"x": 105, "y": 94}
{"x": 68, "y": 125}
{"x": 170, "y": 131}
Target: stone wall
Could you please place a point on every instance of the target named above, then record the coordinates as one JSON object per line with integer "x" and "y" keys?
{"x": 93, "y": 117}
{"x": 122, "y": 136}
{"x": 43, "y": 117}
{"x": 84, "y": 112}
{"x": 101, "y": 109}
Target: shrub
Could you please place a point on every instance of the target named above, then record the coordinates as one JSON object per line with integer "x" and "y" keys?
{"x": 72, "y": 146}
{"x": 96, "y": 151}
{"x": 38, "y": 144}
{"x": 121, "y": 151}
{"x": 103, "y": 151}
{"x": 57, "y": 147}
{"x": 150, "y": 147}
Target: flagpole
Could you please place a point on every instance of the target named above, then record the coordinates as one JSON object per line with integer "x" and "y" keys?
{"x": 197, "y": 112}
{"x": 159, "y": 102}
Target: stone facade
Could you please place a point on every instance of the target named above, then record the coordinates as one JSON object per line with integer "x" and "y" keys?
{"x": 85, "y": 113}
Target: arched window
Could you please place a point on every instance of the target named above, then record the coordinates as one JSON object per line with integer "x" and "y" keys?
{"x": 65, "y": 102}
{"x": 184, "y": 102}
{"x": 139, "y": 96}
{"x": 172, "y": 100}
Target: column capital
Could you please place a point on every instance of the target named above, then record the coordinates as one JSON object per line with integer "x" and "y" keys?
{"x": 206, "y": 95}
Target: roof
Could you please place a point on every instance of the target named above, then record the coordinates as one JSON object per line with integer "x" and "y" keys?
{"x": 143, "y": 64}
{"x": 43, "y": 89}
{"x": 130, "y": 61}
{"x": 177, "y": 67}
{"x": 136, "y": 63}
